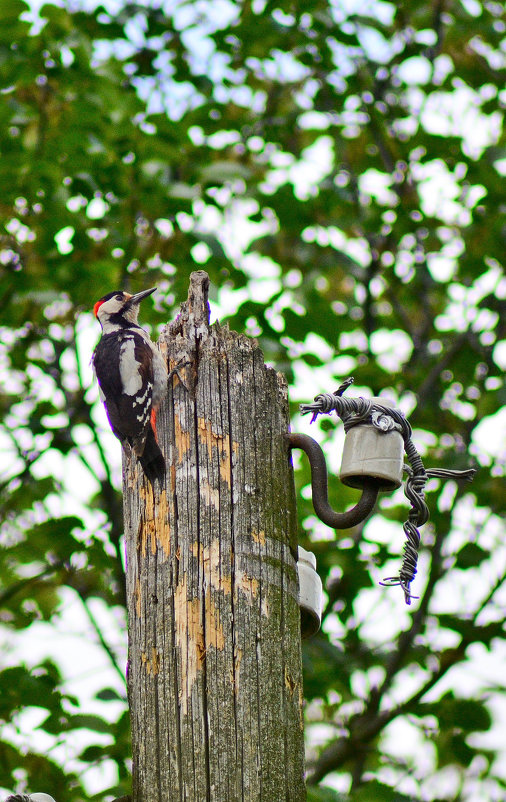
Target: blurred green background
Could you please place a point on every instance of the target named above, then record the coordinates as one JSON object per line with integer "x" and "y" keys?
{"x": 338, "y": 170}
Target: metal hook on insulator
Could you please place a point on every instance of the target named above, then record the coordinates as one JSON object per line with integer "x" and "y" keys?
{"x": 319, "y": 487}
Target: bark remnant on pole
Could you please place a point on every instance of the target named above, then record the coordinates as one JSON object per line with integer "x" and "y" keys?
{"x": 214, "y": 672}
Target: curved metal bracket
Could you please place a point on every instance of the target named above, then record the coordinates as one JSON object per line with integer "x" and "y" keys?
{"x": 319, "y": 487}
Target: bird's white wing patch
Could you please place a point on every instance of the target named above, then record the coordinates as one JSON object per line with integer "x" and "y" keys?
{"x": 131, "y": 379}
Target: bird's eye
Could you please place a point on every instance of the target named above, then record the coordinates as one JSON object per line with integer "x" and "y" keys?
{"x": 119, "y": 297}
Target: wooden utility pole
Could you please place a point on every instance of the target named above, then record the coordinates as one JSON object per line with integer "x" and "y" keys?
{"x": 214, "y": 669}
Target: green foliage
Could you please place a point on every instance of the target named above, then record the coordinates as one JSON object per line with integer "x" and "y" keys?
{"x": 344, "y": 174}
{"x": 378, "y": 792}
{"x": 324, "y": 795}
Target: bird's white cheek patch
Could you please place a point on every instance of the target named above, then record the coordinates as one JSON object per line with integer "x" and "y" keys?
{"x": 131, "y": 379}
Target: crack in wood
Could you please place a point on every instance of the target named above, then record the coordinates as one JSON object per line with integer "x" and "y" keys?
{"x": 194, "y": 635}
{"x": 152, "y": 664}
{"x": 221, "y": 442}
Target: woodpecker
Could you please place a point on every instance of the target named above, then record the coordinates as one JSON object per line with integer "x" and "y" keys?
{"x": 132, "y": 378}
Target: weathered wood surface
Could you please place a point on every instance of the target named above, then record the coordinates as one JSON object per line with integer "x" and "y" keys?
{"x": 214, "y": 672}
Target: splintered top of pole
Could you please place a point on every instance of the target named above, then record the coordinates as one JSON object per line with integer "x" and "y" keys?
{"x": 193, "y": 319}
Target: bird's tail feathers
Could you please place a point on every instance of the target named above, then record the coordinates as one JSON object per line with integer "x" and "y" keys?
{"x": 152, "y": 459}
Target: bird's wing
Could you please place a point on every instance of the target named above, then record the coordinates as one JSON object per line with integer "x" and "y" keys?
{"x": 124, "y": 369}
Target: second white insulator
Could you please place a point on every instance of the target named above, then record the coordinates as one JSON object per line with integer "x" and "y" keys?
{"x": 310, "y": 593}
{"x": 370, "y": 453}
{"x": 39, "y": 797}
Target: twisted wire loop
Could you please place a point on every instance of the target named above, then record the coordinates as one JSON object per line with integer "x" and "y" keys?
{"x": 354, "y": 411}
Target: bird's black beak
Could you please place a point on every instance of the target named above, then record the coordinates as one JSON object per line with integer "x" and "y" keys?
{"x": 137, "y": 298}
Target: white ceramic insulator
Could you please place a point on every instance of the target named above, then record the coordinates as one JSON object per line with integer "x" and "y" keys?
{"x": 310, "y": 593}
{"x": 371, "y": 453}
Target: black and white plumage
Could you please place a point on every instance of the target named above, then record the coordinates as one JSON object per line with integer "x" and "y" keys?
{"x": 132, "y": 378}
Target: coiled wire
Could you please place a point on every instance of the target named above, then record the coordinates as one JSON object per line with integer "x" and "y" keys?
{"x": 355, "y": 411}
